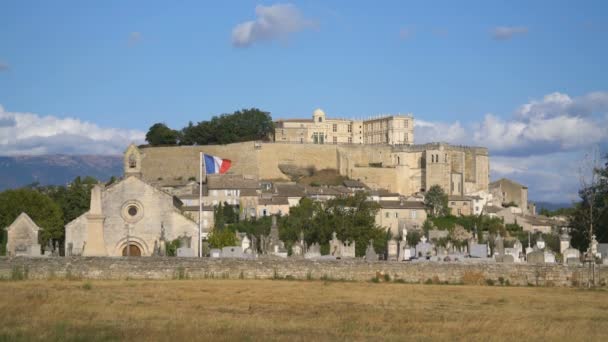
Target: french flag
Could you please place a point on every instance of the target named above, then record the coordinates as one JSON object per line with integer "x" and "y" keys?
{"x": 215, "y": 164}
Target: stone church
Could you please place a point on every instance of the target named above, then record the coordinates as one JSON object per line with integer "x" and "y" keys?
{"x": 129, "y": 217}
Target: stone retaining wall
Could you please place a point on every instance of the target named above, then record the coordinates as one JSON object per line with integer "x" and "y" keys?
{"x": 267, "y": 268}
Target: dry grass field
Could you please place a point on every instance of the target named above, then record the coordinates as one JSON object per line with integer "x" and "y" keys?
{"x": 257, "y": 310}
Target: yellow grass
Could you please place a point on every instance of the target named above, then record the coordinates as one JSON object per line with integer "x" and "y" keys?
{"x": 185, "y": 310}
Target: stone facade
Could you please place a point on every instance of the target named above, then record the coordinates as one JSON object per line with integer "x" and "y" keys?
{"x": 129, "y": 210}
{"x": 22, "y": 237}
{"x": 390, "y": 129}
{"x": 298, "y": 268}
{"x": 398, "y": 215}
{"x": 401, "y": 168}
{"x": 506, "y": 191}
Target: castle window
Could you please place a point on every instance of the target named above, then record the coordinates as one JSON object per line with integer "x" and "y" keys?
{"x": 406, "y": 123}
{"x": 350, "y": 128}
{"x": 132, "y": 161}
{"x": 335, "y": 127}
{"x": 432, "y": 158}
{"x": 335, "y": 139}
{"x": 320, "y": 120}
{"x": 350, "y": 140}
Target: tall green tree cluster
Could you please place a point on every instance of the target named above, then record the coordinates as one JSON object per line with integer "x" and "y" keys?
{"x": 50, "y": 207}
{"x": 352, "y": 218}
{"x": 243, "y": 125}
{"x": 592, "y": 209}
{"x": 436, "y": 201}
{"x": 39, "y": 207}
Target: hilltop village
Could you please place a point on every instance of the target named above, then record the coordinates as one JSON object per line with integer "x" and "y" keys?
{"x": 430, "y": 202}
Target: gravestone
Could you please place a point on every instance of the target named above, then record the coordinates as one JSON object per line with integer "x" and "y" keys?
{"x": 370, "y": 253}
{"x": 232, "y": 252}
{"x": 392, "y": 249}
{"x": 478, "y": 250}
{"x": 341, "y": 250}
{"x": 423, "y": 248}
{"x": 184, "y": 250}
{"x": 313, "y": 252}
{"x": 572, "y": 256}
{"x": 404, "y": 251}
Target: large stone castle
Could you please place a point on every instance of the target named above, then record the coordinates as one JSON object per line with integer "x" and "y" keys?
{"x": 406, "y": 169}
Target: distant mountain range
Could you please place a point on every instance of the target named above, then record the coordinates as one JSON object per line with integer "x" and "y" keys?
{"x": 56, "y": 169}
{"x": 551, "y": 206}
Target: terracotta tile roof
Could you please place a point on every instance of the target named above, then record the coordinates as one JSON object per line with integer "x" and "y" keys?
{"x": 289, "y": 190}
{"x": 402, "y": 205}
{"x": 275, "y": 200}
{"x": 231, "y": 182}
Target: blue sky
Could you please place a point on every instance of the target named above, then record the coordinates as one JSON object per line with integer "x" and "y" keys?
{"x": 510, "y": 75}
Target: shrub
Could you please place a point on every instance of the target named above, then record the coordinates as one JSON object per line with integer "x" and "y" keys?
{"x": 387, "y": 277}
{"x": 375, "y": 280}
{"x": 490, "y": 282}
{"x": 180, "y": 273}
{"x": 501, "y": 280}
{"x": 87, "y": 286}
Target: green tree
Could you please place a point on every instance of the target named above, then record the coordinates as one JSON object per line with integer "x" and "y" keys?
{"x": 244, "y": 125}
{"x": 220, "y": 238}
{"x": 592, "y": 209}
{"x": 436, "y": 200}
{"x": 39, "y": 207}
{"x": 160, "y": 134}
{"x": 74, "y": 199}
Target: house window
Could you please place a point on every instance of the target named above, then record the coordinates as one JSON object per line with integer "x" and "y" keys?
{"x": 387, "y": 214}
{"x": 335, "y": 127}
{"x": 413, "y": 213}
{"x": 453, "y": 203}
{"x": 459, "y": 212}
{"x": 396, "y": 215}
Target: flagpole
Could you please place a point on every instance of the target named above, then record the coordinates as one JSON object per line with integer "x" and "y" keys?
{"x": 200, "y": 203}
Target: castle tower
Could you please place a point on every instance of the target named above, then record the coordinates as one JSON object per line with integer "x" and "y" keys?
{"x": 132, "y": 161}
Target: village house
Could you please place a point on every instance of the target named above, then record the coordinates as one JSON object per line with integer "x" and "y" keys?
{"x": 460, "y": 205}
{"x": 269, "y": 205}
{"x": 506, "y": 192}
{"x": 226, "y": 189}
{"x": 397, "y": 215}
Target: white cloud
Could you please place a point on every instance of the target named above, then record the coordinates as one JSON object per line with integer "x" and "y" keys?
{"x": 272, "y": 22}
{"x": 28, "y": 134}
{"x": 540, "y": 145}
{"x": 507, "y": 32}
{"x": 550, "y": 178}
{"x": 556, "y": 123}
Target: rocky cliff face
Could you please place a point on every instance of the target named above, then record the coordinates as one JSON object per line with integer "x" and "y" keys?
{"x": 19, "y": 171}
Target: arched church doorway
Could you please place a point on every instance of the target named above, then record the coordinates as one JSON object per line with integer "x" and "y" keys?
{"x": 132, "y": 249}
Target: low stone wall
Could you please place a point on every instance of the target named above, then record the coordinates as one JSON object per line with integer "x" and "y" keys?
{"x": 269, "y": 268}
